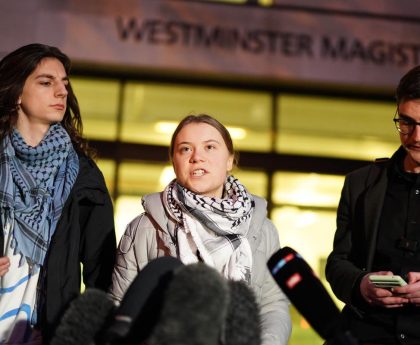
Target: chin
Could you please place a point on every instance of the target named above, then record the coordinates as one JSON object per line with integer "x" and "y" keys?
{"x": 414, "y": 158}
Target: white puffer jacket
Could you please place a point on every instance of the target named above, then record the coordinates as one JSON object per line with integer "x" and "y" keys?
{"x": 140, "y": 244}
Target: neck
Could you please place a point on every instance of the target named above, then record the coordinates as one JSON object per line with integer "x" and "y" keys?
{"x": 411, "y": 166}
{"x": 32, "y": 133}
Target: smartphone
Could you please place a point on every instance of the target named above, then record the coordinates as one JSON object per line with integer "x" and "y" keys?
{"x": 387, "y": 281}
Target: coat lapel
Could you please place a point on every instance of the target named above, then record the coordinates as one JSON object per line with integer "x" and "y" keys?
{"x": 374, "y": 199}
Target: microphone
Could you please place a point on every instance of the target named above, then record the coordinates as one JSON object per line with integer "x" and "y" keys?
{"x": 194, "y": 308}
{"x": 298, "y": 281}
{"x": 85, "y": 317}
{"x": 141, "y": 302}
{"x": 243, "y": 320}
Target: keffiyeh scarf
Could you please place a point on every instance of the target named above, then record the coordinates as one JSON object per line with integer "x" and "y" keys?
{"x": 217, "y": 228}
{"x": 34, "y": 185}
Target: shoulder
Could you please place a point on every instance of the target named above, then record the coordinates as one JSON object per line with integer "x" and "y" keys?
{"x": 89, "y": 170}
{"x": 153, "y": 218}
{"x": 260, "y": 203}
{"x": 261, "y": 226}
{"x": 153, "y": 201}
{"x": 90, "y": 182}
{"x": 259, "y": 214}
{"x": 138, "y": 226}
{"x": 369, "y": 174}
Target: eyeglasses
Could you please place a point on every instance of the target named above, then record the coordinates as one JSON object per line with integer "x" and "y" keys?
{"x": 405, "y": 125}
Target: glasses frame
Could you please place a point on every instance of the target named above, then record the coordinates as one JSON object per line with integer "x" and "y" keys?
{"x": 407, "y": 119}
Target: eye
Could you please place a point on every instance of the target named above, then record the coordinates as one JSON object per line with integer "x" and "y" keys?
{"x": 45, "y": 83}
{"x": 406, "y": 121}
{"x": 210, "y": 147}
{"x": 184, "y": 149}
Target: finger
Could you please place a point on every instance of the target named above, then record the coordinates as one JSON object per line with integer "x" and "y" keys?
{"x": 4, "y": 260}
{"x": 4, "y": 267}
{"x": 414, "y": 300}
{"x": 391, "y": 306}
{"x": 391, "y": 301}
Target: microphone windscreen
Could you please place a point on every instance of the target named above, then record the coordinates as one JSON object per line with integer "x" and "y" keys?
{"x": 84, "y": 319}
{"x": 194, "y": 308}
{"x": 298, "y": 281}
{"x": 139, "y": 303}
{"x": 243, "y": 320}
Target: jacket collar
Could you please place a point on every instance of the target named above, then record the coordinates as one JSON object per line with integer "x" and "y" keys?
{"x": 377, "y": 183}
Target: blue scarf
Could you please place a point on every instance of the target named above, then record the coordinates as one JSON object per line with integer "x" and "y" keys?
{"x": 34, "y": 185}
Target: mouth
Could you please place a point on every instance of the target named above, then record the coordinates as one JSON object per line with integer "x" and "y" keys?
{"x": 413, "y": 147}
{"x": 58, "y": 106}
{"x": 198, "y": 172}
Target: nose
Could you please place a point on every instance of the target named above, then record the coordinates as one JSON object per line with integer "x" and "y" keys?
{"x": 61, "y": 90}
{"x": 416, "y": 133}
{"x": 196, "y": 156}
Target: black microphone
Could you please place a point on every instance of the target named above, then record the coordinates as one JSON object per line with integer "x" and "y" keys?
{"x": 85, "y": 317}
{"x": 243, "y": 320}
{"x": 298, "y": 281}
{"x": 194, "y": 308}
{"x": 139, "y": 304}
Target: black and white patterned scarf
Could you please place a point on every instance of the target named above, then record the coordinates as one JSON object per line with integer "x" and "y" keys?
{"x": 217, "y": 228}
{"x": 34, "y": 185}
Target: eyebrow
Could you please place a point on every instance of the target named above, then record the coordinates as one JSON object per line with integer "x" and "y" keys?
{"x": 406, "y": 117}
{"x": 49, "y": 76}
{"x": 205, "y": 141}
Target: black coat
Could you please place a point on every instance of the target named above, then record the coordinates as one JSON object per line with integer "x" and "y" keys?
{"x": 358, "y": 219}
{"x": 85, "y": 235}
{"x": 358, "y": 216}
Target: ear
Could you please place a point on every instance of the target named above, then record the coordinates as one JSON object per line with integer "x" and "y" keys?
{"x": 19, "y": 101}
{"x": 229, "y": 164}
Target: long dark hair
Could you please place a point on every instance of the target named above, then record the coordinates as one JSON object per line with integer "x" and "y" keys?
{"x": 15, "y": 68}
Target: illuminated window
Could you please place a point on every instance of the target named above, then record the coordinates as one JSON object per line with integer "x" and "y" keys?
{"x": 306, "y": 218}
{"x": 305, "y": 214}
{"x": 303, "y": 189}
{"x": 98, "y": 100}
{"x": 140, "y": 179}
{"x": 310, "y": 232}
{"x": 254, "y": 181}
{"x": 135, "y": 181}
{"x": 320, "y": 126}
{"x": 107, "y": 168}
{"x": 152, "y": 111}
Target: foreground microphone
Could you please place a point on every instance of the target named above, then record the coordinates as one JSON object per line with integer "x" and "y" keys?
{"x": 243, "y": 320}
{"x": 139, "y": 299}
{"x": 85, "y": 317}
{"x": 194, "y": 308}
{"x": 298, "y": 281}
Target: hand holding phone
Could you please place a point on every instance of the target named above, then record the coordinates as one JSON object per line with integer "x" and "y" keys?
{"x": 387, "y": 281}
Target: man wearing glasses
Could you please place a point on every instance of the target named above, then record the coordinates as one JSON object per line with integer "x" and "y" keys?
{"x": 378, "y": 232}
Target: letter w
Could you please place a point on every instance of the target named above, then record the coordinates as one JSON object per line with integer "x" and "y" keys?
{"x": 129, "y": 28}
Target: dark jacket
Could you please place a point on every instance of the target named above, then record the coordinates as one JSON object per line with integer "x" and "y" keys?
{"x": 84, "y": 236}
{"x": 358, "y": 217}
